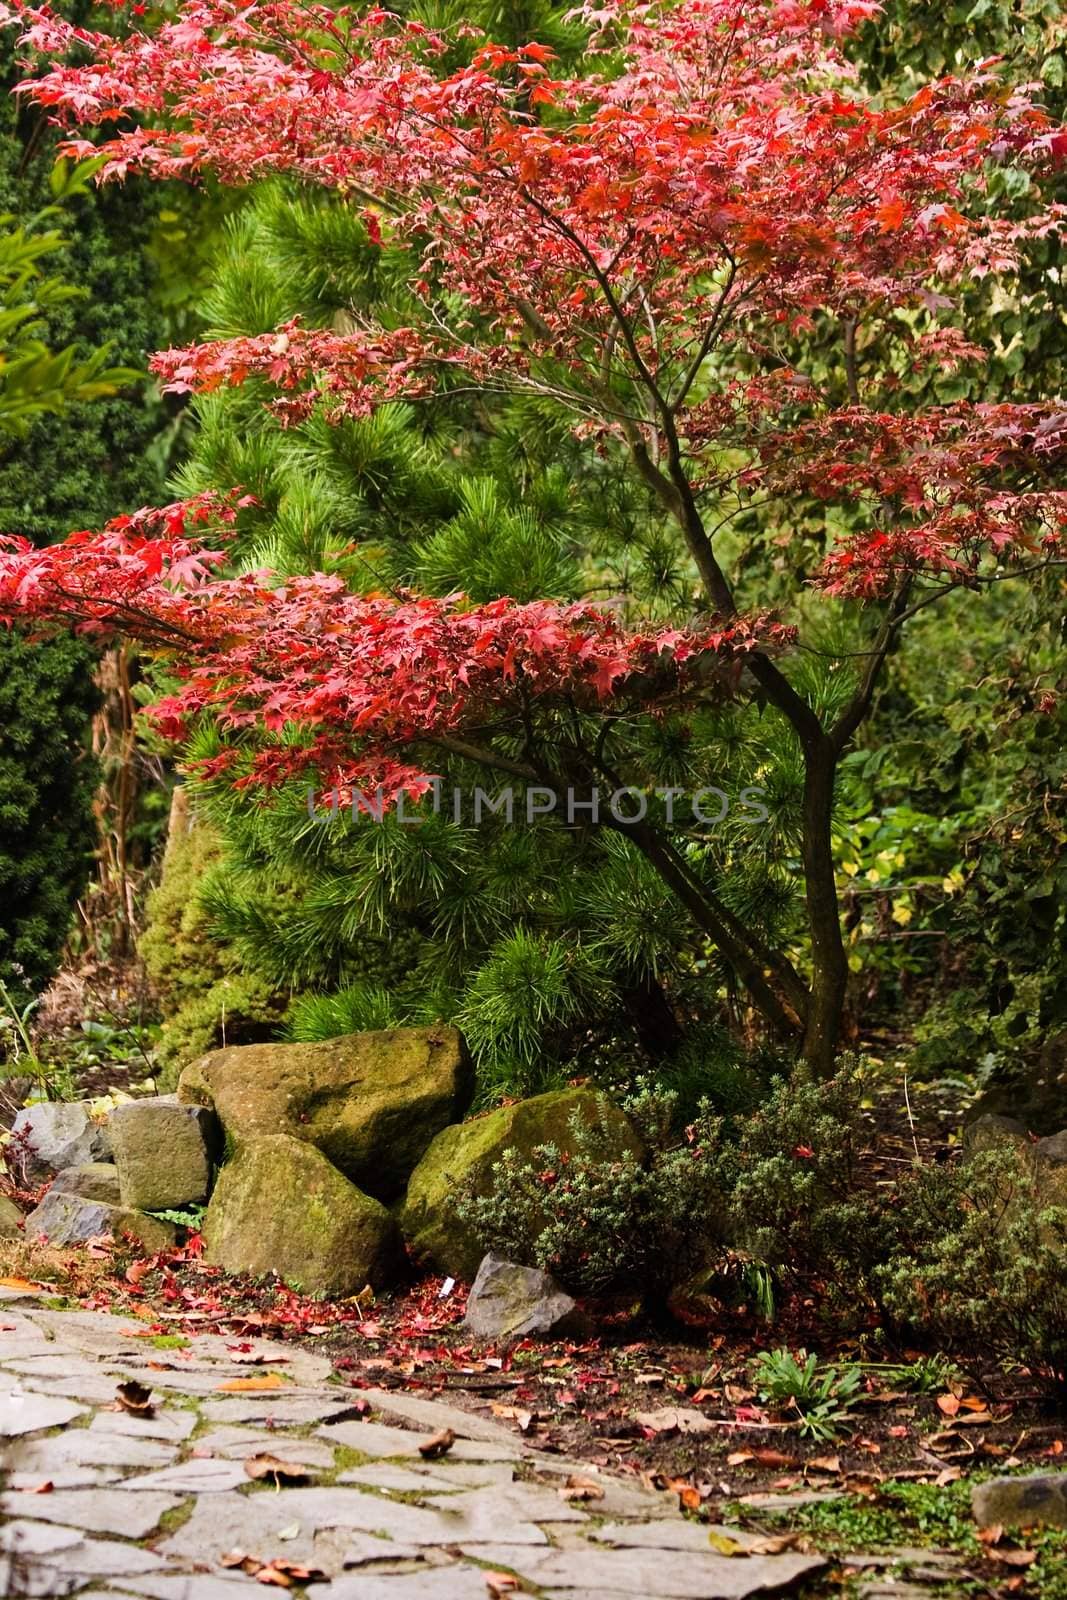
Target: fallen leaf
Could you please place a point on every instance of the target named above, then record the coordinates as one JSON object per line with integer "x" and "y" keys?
{"x": 577, "y": 1488}
{"x": 137, "y": 1270}
{"x": 265, "y": 1380}
{"x": 134, "y": 1397}
{"x": 242, "y": 1560}
{"x": 774, "y": 1458}
{"x": 675, "y": 1419}
{"x": 19, "y": 1283}
{"x": 439, "y": 1445}
{"x": 736, "y": 1395}
{"x": 723, "y": 1545}
{"x": 688, "y": 1494}
{"x": 775, "y": 1543}
{"x": 41, "y": 1488}
{"x": 254, "y": 1358}
{"x": 274, "y": 1577}
{"x": 824, "y": 1464}
{"x": 499, "y": 1583}
{"x": 991, "y": 1535}
{"x": 291, "y": 1571}
{"x": 264, "y": 1465}
{"x": 946, "y": 1476}
{"x": 1013, "y": 1558}
{"x": 739, "y": 1457}
{"x": 948, "y": 1404}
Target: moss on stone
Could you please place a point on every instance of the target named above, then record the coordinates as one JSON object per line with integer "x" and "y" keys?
{"x": 280, "y": 1207}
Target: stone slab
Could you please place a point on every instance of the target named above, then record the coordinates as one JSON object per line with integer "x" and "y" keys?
{"x": 94, "y": 1510}
{"x": 169, "y": 1423}
{"x": 82, "y": 1447}
{"x": 198, "y": 1475}
{"x": 463, "y": 1475}
{"x": 432, "y": 1414}
{"x": 25, "y": 1411}
{"x": 459, "y": 1582}
{"x": 381, "y": 1441}
{"x": 236, "y": 1443}
{"x": 674, "y": 1575}
{"x": 278, "y": 1407}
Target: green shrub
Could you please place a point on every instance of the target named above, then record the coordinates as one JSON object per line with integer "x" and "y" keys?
{"x": 600, "y": 1222}
{"x": 47, "y": 782}
{"x": 976, "y": 1261}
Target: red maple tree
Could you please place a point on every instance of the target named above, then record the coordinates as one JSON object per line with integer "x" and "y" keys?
{"x": 656, "y": 245}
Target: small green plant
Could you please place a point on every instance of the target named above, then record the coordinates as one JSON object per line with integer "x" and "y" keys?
{"x": 186, "y": 1217}
{"x": 51, "y": 1080}
{"x": 820, "y": 1395}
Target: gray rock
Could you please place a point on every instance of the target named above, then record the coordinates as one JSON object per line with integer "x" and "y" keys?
{"x": 164, "y": 1152}
{"x": 1020, "y": 1502}
{"x": 68, "y": 1219}
{"x": 10, "y": 1219}
{"x": 1053, "y": 1150}
{"x": 59, "y": 1134}
{"x": 512, "y": 1302}
{"x": 171, "y": 1426}
{"x": 991, "y": 1130}
{"x": 97, "y": 1180}
{"x": 235, "y": 1444}
{"x": 80, "y": 1448}
{"x": 198, "y": 1475}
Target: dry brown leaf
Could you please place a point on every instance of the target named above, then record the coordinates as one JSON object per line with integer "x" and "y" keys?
{"x": 688, "y": 1494}
{"x": 135, "y": 1398}
{"x": 499, "y": 1583}
{"x": 775, "y": 1543}
{"x": 774, "y": 1458}
{"x": 830, "y": 1464}
{"x": 264, "y": 1465}
{"x": 946, "y": 1476}
{"x": 739, "y": 1457}
{"x": 241, "y": 1559}
{"x": 991, "y": 1535}
{"x": 948, "y": 1404}
{"x": 265, "y": 1380}
{"x": 439, "y": 1445}
{"x": 723, "y": 1545}
{"x": 577, "y": 1488}
{"x": 736, "y": 1395}
{"x": 1013, "y": 1558}
{"x": 525, "y": 1419}
{"x": 675, "y": 1419}
{"x": 19, "y": 1283}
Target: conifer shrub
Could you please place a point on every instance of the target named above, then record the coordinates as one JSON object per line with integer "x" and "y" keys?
{"x": 600, "y": 1221}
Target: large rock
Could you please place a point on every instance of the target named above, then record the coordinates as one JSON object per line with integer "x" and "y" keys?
{"x": 69, "y": 1219}
{"x": 54, "y": 1134}
{"x": 10, "y": 1219}
{"x": 164, "y": 1152}
{"x": 512, "y": 1302}
{"x": 1040, "y": 1497}
{"x": 280, "y": 1207}
{"x": 371, "y": 1102}
{"x": 464, "y": 1155}
{"x": 991, "y": 1131}
{"x": 97, "y": 1180}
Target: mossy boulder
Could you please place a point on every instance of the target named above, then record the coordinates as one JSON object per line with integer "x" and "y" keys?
{"x": 10, "y": 1219}
{"x": 371, "y": 1102}
{"x": 463, "y": 1156}
{"x": 280, "y": 1207}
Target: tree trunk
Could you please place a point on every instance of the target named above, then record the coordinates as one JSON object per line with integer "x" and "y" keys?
{"x": 829, "y": 964}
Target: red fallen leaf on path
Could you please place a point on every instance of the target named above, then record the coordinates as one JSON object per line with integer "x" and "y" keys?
{"x": 438, "y": 1445}
{"x": 41, "y": 1488}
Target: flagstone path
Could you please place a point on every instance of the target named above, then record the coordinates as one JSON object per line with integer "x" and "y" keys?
{"x": 104, "y": 1501}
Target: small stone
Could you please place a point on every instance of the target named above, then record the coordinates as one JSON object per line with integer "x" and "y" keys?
{"x": 68, "y": 1219}
{"x": 10, "y": 1219}
{"x": 279, "y": 1207}
{"x": 97, "y": 1180}
{"x": 164, "y": 1152}
{"x": 1019, "y": 1502}
{"x": 512, "y": 1302}
{"x": 59, "y": 1134}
